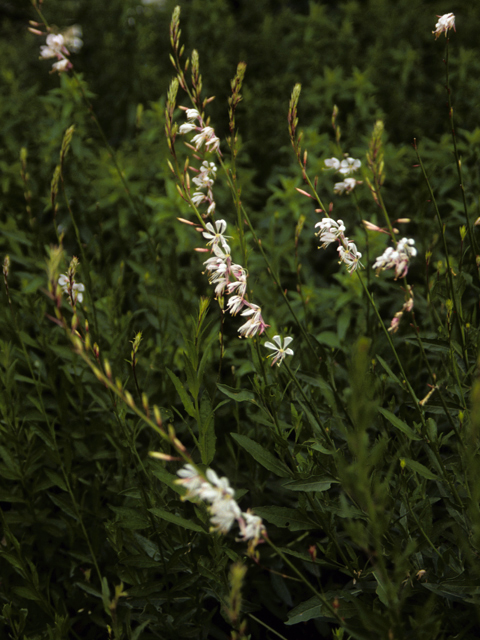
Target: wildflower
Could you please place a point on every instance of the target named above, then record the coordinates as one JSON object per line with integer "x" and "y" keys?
{"x": 71, "y": 288}
{"x": 190, "y": 478}
{"x": 224, "y": 512}
{"x": 251, "y": 527}
{"x": 280, "y": 350}
{"x": 345, "y": 167}
{"x": 223, "y": 508}
{"x": 207, "y": 135}
{"x": 349, "y": 165}
{"x": 216, "y": 236}
{"x": 192, "y": 114}
{"x": 398, "y": 258}
{"x": 198, "y": 197}
{"x": 187, "y": 127}
{"x": 256, "y": 323}
{"x": 444, "y": 24}
{"x": 350, "y": 256}
{"x": 329, "y": 231}
{"x": 235, "y": 303}
{"x": 332, "y": 163}
{"x": 55, "y": 47}
{"x": 73, "y": 38}
{"x": 346, "y": 186}
{"x": 62, "y": 65}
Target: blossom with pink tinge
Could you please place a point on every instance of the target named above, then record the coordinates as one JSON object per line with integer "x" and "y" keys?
{"x": 280, "y": 349}
{"x": 398, "y": 258}
{"x": 329, "y": 231}
{"x": 350, "y": 256}
{"x": 444, "y": 24}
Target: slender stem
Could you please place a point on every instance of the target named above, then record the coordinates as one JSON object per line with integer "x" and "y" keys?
{"x": 457, "y": 157}
{"x": 458, "y": 310}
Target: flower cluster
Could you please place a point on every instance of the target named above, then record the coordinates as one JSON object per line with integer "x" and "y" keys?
{"x": 224, "y": 510}
{"x": 398, "y": 258}
{"x": 204, "y": 180}
{"x": 230, "y": 278}
{"x": 206, "y": 135}
{"x": 346, "y": 167}
{"x": 59, "y": 45}
{"x": 444, "y": 24}
{"x": 331, "y": 231}
{"x": 72, "y": 289}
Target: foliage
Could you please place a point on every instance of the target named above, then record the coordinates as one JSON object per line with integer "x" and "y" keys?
{"x": 359, "y": 451}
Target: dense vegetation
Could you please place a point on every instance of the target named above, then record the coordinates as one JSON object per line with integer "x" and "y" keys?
{"x": 360, "y": 451}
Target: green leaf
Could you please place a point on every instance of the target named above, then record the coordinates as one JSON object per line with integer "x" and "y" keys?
{"x": 262, "y": 456}
{"x": 130, "y": 518}
{"x": 313, "y": 608}
{"x": 420, "y": 469}
{"x": 329, "y": 338}
{"x": 57, "y": 480}
{"x": 27, "y": 593}
{"x": 62, "y": 503}
{"x": 399, "y": 424}
{"x": 315, "y": 483}
{"x": 187, "y": 403}
{"x": 207, "y": 438}
{"x": 163, "y": 514}
{"x": 284, "y": 517}
{"x": 391, "y": 375}
{"x": 239, "y": 395}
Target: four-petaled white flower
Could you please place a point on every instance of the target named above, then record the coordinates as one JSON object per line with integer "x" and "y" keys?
{"x": 444, "y": 24}
{"x": 333, "y": 163}
{"x": 346, "y": 186}
{"x": 55, "y": 47}
{"x": 281, "y": 349}
{"x": 73, "y": 289}
{"x": 349, "y": 165}
{"x": 216, "y": 235}
{"x": 350, "y": 256}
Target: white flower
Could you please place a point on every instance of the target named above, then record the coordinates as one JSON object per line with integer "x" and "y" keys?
{"x": 187, "y": 127}
{"x": 192, "y": 114}
{"x": 280, "y": 350}
{"x": 346, "y": 186}
{"x": 205, "y": 134}
{"x": 349, "y": 165}
{"x": 251, "y": 527}
{"x": 215, "y": 236}
{"x": 77, "y": 289}
{"x": 350, "y": 256}
{"x": 398, "y": 258}
{"x": 235, "y": 303}
{"x": 62, "y": 65}
{"x": 55, "y": 47}
{"x": 190, "y": 479}
{"x": 256, "y": 323}
{"x": 332, "y": 163}
{"x": 198, "y": 197}
{"x": 444, "y": 24}
{"x": 224, "y": 512}
{"x": 329, "y": 231}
